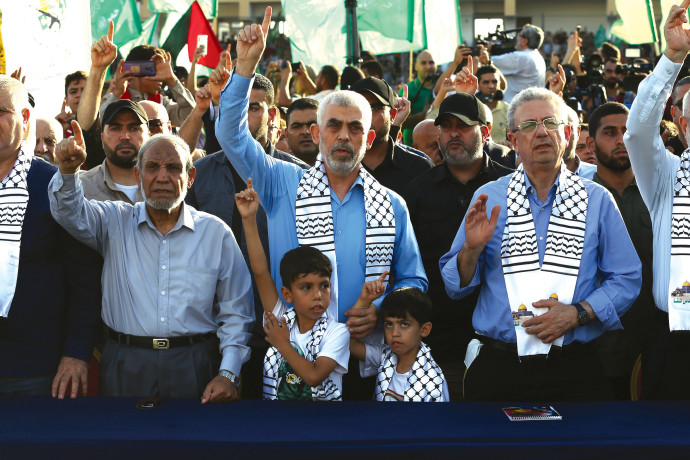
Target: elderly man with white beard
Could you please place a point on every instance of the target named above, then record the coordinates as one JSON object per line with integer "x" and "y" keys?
{"x": 336, "y": 205}
{"x": 176, "y": 289}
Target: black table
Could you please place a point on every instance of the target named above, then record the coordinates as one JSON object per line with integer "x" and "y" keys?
{"x": 33, "y": 427}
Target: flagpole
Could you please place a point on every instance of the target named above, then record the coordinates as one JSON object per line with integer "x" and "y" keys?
{"x": 353, "y": 54}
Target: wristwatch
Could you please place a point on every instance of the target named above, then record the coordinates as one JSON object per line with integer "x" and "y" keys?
{"x": 230, "y": 376}
{"x": 582, "y": 315}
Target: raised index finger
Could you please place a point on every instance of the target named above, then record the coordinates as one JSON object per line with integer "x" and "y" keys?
{"x": 249, "y": 184}
{"x": 470, "y": 65}
{"x": 267, "y": 20}
{"x": 78, "y": 136}
{"x": 405, "y": 91}
{"x": 111, "y": 29}
{"x": 685, "y": 4}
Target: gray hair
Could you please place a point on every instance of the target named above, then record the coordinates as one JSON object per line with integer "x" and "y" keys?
{"x": 345, "y": 98}
{"x": 574, "y": 122}
{"x": 536, "y": 94}
{"x": 16, "y": 90}
{"x": 180, "y": 146}
{"x": 686, "y": 105}
{"x": 534, "y": 35}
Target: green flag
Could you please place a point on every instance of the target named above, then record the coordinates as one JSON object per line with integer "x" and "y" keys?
{"x": 125, "y": 15}
{"x": 443, "y": 33}
{"x": 147, "y": 36}
{"x": 392, "y": 26}
{"x": 600, "y": 37}
{"x": 636, "y": 25}
{"x": 210, "y": 7}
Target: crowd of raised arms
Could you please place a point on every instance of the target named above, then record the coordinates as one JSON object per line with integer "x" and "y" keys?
{"x": 504, "y": 230}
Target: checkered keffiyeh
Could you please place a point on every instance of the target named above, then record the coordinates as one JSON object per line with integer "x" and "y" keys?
{"x": 315, "y": 219}
{"x": 425, "y": 382}
{"x": 680, "y": 221}
{"x": 14, "y": 199}
{"x": 327, "y": 391}
{"x": 566, "y": 234}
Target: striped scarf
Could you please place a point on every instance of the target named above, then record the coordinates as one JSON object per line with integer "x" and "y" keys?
{"x": 425, "y": 382}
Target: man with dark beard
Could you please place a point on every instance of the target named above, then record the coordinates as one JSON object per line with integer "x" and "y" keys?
{"x": 619, "y": 349}
{"x": 437, "y": 200}
{"x": 392, "y": 164}
{"x": 125, "y": 128}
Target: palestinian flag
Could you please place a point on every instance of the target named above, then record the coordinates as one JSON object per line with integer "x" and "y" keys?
{"x": 192, "y": 24}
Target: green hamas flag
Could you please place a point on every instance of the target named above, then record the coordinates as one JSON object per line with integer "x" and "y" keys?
{"x": 636, "y": 25}
{"x": 123, "y": 13}
{"x": 210, "y": 7}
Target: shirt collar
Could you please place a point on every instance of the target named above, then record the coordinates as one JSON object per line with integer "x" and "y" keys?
{"x": 185, "y": 219}
{"x": 552, "y": 190}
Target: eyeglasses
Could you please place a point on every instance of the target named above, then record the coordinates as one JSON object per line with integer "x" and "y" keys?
{"x": 550, "y": 124}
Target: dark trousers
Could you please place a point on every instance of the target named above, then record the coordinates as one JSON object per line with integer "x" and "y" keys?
{"x": 253, "y": 374}
{"x": 355, "y": 387}
{"x": 453, "y": 371}
{"x": 181, "y": 372}
{"x": 666, "y": 362}
{"x": 571, "y": 374}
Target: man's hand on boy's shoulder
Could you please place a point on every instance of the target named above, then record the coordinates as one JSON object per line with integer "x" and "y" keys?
{"x": 277, "y": 332}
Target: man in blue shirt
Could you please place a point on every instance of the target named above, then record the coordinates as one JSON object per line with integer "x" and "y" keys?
{"x": 555, "y": 264}
{"x": 343, "y": 134}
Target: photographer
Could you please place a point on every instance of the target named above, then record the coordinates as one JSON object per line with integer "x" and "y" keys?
{"x": 420, "y": 92}
{"x": 523, "y": 67}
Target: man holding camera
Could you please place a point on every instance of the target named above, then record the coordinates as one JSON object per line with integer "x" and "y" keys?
{"x": 523, "y": 67}
{"x": 420, "y": 92}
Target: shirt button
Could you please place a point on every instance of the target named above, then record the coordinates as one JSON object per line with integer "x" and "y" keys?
{"x": 340, "y": 232}
{"x": 162, "y": 292}
{"x": 163, "y": 267}
{"x": 541, "y": 238}
{"x": 542, "y": 208}
{"x": 164, "y": 241}
{"x": 162, "y": 318}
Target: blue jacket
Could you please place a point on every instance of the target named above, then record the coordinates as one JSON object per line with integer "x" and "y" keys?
{"x": 56, "y": 307}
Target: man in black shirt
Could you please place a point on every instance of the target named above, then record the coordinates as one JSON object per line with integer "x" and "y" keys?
{"x": 438, "y": 200}
{"x": 393, "y": 165}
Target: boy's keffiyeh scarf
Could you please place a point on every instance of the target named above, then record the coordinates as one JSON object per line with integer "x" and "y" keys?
{"x": 527, "y": 281}
{"x": 679, "y": 288}
{"x": 314, "y": 220}
{"x": 327, "y": 391}
{"x": 425, "y": 382}
{"x": 14, "y": 198}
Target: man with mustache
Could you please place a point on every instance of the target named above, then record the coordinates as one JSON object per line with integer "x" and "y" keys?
{"x": 300, "y": 116}
{"x": 619, "y": 349}
{"x": 555, "y": 266}
{"x": 335, "y": 206}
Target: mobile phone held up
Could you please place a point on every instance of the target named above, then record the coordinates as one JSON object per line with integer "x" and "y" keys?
{"x": 140, "y": 68}
{"x": 202, "y": 40}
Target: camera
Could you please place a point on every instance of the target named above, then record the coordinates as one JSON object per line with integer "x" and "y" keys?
{"x": 500, "y": 42}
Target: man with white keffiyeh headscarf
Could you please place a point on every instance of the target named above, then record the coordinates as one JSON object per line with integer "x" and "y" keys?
{"x": 49, "y": 305}
{"x": 555, "y": 263}
{"x": 336, "y": 205}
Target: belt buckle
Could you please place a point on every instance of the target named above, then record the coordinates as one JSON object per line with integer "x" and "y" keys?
{"x": 161, "y": 344}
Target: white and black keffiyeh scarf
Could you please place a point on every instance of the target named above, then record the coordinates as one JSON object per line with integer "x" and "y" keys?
{"x": 679, "y": 281}
{"x": 327, "y": 391}
{"x": 527, "y": 281}
{"x": 425, "y": 382}
{"x": 14, "y": 198}
{"x": 314, "y": 220}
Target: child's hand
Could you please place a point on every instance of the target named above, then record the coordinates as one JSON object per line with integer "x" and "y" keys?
{"x": 372, "y": 290}
{"x": 247, "y": 201}
{"x": 277, "y": 332}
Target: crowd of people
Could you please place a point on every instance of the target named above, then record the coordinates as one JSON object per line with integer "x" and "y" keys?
{"x": 507, "y": 229}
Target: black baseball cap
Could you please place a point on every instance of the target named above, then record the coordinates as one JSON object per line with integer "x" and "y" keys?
{"x": 376, "y": 87}
{"x": 464, "y": 106}
{"x": 124, "y": 104}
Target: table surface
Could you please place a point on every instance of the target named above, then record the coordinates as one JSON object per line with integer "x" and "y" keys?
{"x": 114, "y": 427}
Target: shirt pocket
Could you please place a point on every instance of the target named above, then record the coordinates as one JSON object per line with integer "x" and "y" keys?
{"x": 200, "y": 286}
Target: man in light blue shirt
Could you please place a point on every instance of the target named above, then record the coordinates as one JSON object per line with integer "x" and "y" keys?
{"x": 657, "y": 172}
{"x": 276, "y": 183}
{"x": 176, "y": 289}
{"x": 602, "y": 287}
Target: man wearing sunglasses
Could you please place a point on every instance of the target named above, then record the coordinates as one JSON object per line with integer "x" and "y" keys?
{"x": 159, "y": 122}
{"x": 555, "y": 264}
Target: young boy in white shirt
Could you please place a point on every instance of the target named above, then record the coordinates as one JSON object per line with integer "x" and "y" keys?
{"x": 309, "y": 352}
{"x": 404, "y": 367}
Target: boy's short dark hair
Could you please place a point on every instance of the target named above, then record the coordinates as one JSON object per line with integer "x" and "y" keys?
{"x": 303, "y": 103}
{"x": 264, "y": 84}
{"x": 303, "y": 261}
{"x": 144, "y": 53}
{"x": 605, "y": 109}
{"x": 485, "y": 69}
{"x": 407, "y": 300}
{"x": 75, "y": 76}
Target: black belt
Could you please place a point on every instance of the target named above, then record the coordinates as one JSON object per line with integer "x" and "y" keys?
{"x": 511, "y": 348}
{"x": 159, "y": 343}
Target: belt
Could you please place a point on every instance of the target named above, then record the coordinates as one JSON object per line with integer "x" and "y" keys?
{"x": 159, "y": 343}
{"x": 511, "y": 348}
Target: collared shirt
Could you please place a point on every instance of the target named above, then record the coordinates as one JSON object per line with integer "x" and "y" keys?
{"x": 609, "y": 277}
{"x": 499, "y": 126}
{"x": 584, "y": 169}
{"x": 655, "y": 167}
{"x": 193, "y": 280}
{"x": 99, "y": 185}
{"x": 276, "y": 184}
{"x": 399, "y": 167}
{"x": 178, "y": 108}
{"x": 522, "y": 69}
{"x": 437, "y": 202}
{"x": 639, "y": 225}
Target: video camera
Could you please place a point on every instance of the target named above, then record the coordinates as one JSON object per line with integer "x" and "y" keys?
{"x": 591, "y": 84}
{"x": 500, "y": 42}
